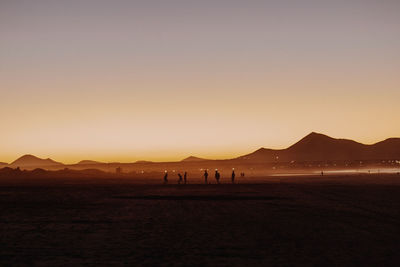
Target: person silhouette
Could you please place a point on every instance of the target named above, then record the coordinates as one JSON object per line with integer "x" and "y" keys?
{"x": 166, "y": 177}
{"x": 233, "y": 176}
{"x": 180, "y": 178}
{"x": 184, "y": 177}
{"x": 205, "y": 176}
{"x": 217, "y": 176}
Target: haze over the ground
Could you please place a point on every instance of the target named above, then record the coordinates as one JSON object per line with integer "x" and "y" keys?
{"x": 160, "y": 80}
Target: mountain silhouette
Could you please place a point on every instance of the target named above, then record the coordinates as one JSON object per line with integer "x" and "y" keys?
{"x": 192, "y": 159}
{"x": 30, "y": 161}
{"x": 88, "y": 162}
{"x": 319, "y": 147}
{"x": 313, "y": 147}
{"x": 143, "y": 161}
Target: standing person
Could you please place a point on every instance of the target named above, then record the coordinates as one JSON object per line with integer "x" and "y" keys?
{"x": 166, "y": 177}
{"x": 184, "y": 177}
{"x": 233, "y": 176}
{"x": 205, "y": 176}
{"x": 180, "y": 178}
{"x": 217, "y": 176}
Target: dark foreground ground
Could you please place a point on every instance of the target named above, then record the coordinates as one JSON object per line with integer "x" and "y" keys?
{"x": 303, "y": 221}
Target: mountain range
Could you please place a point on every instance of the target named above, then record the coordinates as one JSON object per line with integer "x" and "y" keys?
{"x": 313, "y": 147}
{"x": 30, "y": 161}
{"x": 319, "y": 147}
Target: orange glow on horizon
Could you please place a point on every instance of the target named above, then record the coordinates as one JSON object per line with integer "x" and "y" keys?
{"x": 128, "y": 81}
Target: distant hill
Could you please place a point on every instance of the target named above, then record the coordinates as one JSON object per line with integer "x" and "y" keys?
{"x": 319, "y": 147}
{"x": 3, "y": 164}
{"x": 389, "y": 148}
{"x": 89, "y": 162}
{"x": 192, "y": 159}
{"x": 313, "y": 147}
{"x": 30, "y": 161}
{"x": 143, "y": 161}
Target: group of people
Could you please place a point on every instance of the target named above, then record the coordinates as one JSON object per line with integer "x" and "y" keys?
{"x": 217, "y": 176}
{"x": 180, "y": 180}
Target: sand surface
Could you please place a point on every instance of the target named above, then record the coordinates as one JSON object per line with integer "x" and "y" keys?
{"x": 286, "y": 221}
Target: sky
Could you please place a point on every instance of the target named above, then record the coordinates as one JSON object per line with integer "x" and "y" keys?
{"x": 164, "y": 79}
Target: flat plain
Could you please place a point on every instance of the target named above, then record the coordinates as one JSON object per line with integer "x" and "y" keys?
{"x": 350, "y": 220}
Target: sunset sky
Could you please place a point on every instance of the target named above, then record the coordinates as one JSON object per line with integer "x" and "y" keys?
{"x": 161, "y": 80}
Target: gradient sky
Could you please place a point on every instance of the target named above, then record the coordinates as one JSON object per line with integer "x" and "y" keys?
{"x": 161, "y": 80}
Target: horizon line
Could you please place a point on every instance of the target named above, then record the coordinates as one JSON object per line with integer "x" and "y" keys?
{"x": 191, "y": 155}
